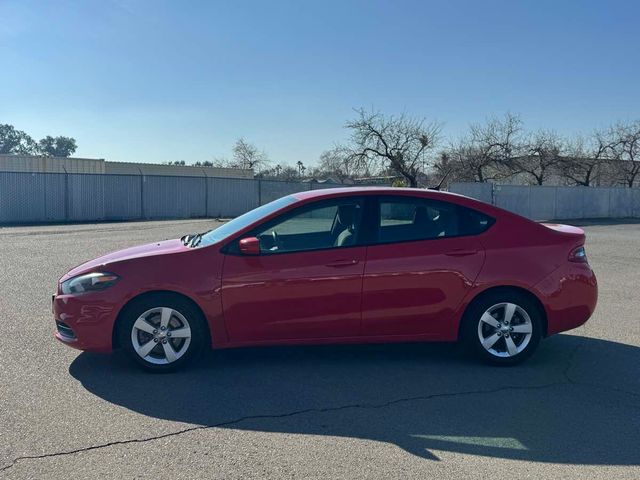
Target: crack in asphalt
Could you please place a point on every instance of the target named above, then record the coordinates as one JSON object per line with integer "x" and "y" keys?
{"x": 280, "y": 415}
{"x": 565, "y": 374}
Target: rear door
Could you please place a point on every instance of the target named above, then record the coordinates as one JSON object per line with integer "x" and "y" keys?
{"x": 422, "y": 262}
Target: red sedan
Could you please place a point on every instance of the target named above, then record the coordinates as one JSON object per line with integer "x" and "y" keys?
{"x": 349, "y": 265}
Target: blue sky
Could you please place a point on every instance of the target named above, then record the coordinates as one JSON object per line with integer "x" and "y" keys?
{"x": 155, "y": 81}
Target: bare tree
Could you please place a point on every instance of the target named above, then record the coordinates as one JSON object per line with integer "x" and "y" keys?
{"x": 487, "y": 152}
{"x": 446, "y": 169}
{"x": 495, "y": 144}
{"x": 222, "y": 162}
{"x": 625, "y": 150}
{"x": 585, "y": 158}
{"x": 284, "y": 172}
{"x": 289, "y": 173}
{"x": 466, "y": 163}
{"x": 339, "y": 164}
{"x": 247, "y": 155}
{"x": 543, "y": 154}
{"x": 402, "y": 144}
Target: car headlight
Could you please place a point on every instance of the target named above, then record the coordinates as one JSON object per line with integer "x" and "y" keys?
{"x": 89, "y": 282}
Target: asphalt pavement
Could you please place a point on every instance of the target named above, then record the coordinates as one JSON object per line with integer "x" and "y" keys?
{"x": 375, "y": 411}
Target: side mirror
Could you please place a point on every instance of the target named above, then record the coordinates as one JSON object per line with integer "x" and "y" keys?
{"x": 250, "y": 246}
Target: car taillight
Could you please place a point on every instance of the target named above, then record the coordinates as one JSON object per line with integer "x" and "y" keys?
{"x": 578, "y": 254}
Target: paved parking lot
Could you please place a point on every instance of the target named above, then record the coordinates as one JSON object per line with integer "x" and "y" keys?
{"x": 400, "y": 411}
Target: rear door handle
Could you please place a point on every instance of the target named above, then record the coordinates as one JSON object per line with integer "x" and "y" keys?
{"x": 461, "y": 252}
{"x": 342, "y": 263}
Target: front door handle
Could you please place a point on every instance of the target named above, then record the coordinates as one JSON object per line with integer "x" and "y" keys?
{"x": 461, "y": 252}
{"x": 342, "y": 263}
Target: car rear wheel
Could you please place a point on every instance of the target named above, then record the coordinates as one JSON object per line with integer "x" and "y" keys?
{"x": 503, "y": 328}
{"x": 162, "y": 333}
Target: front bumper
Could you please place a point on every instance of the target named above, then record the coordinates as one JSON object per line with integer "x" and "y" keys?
{"x": 84, "y": 322}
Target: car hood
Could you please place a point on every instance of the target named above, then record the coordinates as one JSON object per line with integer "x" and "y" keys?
{"x": 141, "y": 251}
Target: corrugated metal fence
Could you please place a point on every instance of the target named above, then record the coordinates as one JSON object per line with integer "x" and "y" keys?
{"x": 76, "y": 197}
{"x": 59, "y": 197}
{"x": 557, "y": 202}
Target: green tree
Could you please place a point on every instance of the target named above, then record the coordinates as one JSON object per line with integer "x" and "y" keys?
{"x": 57, "y": 146}
{"x": 16, "y": 141}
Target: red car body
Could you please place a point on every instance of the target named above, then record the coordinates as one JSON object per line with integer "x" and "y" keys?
{"x": 413, "y": 291}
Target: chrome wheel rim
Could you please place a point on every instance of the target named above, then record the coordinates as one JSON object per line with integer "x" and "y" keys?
{"x": 161, "y": 335}
{"x": 505, "y": 329}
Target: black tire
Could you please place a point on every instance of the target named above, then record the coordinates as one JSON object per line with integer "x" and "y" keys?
{"x": 495, "y": 303}
{"x": 181, "y": 310}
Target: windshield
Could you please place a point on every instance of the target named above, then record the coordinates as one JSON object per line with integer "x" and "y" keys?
{"x": 227, "y": 229}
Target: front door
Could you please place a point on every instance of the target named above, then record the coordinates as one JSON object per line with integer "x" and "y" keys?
{"x": 306, "y": 282}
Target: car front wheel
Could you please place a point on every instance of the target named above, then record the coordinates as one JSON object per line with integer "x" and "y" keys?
{"x": 162, "y": 333}
{"x": 504, "y": 329}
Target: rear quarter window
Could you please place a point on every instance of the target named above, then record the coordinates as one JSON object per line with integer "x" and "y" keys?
{"x": 472, "y": 222}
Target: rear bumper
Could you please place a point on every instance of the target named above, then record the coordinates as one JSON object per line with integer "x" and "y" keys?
{"x": 570, "y": 295}
{"x": 84, "y": 322}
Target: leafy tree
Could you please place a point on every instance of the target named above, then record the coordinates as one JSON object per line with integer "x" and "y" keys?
{"x": 16, "y": 141}
{"x": 57, "y": 146}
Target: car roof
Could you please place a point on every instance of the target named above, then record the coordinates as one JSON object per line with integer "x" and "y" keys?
{"x": 341, "y": 191}
{"x": 462, "y": 200}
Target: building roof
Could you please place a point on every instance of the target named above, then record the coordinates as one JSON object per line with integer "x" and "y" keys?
{"x": 42, "y": 164}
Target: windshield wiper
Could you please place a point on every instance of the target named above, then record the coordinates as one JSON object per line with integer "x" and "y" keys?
{"x": 186, "y": 239}
{"x": 195, "y": 240}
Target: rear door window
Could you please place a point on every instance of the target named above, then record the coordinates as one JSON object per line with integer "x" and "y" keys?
{"x": 403, "y": 219}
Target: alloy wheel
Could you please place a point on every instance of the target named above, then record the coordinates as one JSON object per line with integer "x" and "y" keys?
{"x": 505, "y": 330}
{"x": 161, "y": 335}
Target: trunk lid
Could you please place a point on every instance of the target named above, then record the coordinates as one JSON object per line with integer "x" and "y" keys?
{"x": 565, "y": 229}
